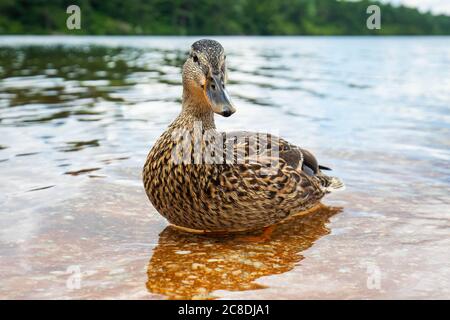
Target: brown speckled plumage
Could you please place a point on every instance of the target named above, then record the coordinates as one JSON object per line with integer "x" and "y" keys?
{"x": 227, "y": 196}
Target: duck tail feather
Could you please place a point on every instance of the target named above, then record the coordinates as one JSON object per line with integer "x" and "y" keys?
{"x": 336, "y": 184}
{"x": 331, "y": 184}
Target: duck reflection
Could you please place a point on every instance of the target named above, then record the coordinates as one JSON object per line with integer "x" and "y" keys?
{"x": 192, "y": 266}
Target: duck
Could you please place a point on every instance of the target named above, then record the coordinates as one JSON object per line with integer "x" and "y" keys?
{"x": 204, "y": 180}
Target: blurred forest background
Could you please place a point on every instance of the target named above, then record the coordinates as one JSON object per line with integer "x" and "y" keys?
{"x": 216, "y": 17}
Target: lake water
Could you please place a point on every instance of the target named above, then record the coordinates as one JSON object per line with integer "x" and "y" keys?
{"x": 79, "y": 114}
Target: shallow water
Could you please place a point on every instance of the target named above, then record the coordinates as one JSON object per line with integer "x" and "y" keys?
{"x": 79, "y": 114}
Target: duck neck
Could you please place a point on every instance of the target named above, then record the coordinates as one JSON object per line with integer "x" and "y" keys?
{"x": 194, "y": 111}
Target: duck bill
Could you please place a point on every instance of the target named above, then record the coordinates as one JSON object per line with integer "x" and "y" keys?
{"x": 219, "y": 98}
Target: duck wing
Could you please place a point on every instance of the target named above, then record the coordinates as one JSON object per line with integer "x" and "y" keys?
{"x": 302, "y": 160}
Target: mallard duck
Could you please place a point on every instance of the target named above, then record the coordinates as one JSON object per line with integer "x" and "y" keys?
{"x": 201, "y": 179}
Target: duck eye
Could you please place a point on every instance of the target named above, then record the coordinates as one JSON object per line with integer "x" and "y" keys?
{"x": 195, "y": 58}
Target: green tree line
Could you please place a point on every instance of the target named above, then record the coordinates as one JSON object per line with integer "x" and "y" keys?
{"x": 216, "y": 17}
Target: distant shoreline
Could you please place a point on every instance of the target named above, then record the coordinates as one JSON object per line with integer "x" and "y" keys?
{"x": 218, "y": 17}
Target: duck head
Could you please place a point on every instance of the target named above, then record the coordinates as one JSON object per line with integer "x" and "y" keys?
{"x": 205, "y": 76}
